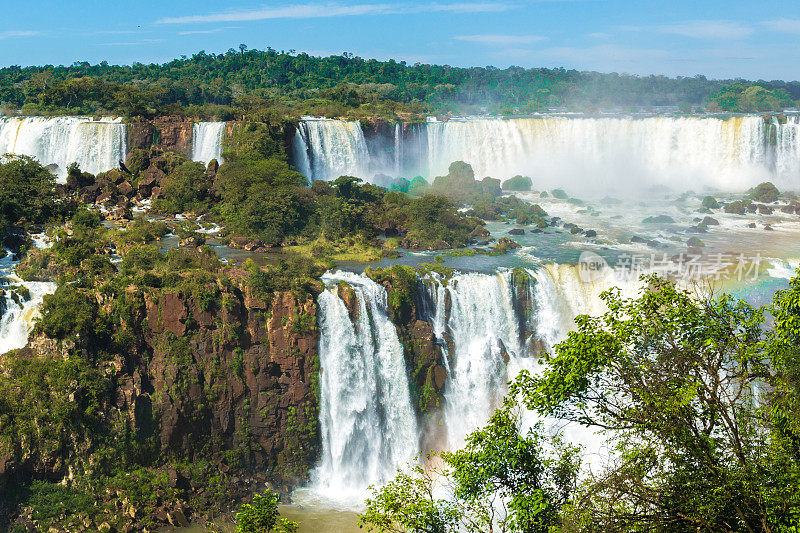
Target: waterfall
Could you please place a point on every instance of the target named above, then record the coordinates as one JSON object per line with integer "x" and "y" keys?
{"x": 207, "y": 141}
{"x": 96, "y": 145}
{"x": 19, "y": 313}
{"x": 18, "y": 318}
{"x": 300, "y": 152}
{"x": 367, "y": 421}
{"x": 336, "y": 148}
{"x": 489, "y": 326}
{"x": 398, "y": 148}
{"x": 483, "y": 327}
{"x": 582, "y": 154}
{"x": 787, "y": 148}
{"x": 602, "y": 153}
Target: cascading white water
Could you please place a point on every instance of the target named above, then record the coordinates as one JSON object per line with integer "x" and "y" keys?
{"x": 96, "y": 145}
{"x": 561, "y": 293}
{"x": 398, "y": 148}
{"x": 367, "y": 421}
{"x": 583, "y": 154}
{"x": 488, "y": 347}
{"x": 334, "y": 147}
{"x": 18, "y": 319}
{"x": 787, "y": 148}
{"x": 207, "y": 141}
{"x": 483, "y": 326}
{"x": 19, "y": 314}
{"x": 603, "y": 153}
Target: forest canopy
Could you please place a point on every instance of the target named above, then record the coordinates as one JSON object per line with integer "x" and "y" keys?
{"x": 255, "y": 82}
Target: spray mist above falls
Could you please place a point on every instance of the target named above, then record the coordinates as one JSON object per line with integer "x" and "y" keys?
{"x": 589, "y": 154}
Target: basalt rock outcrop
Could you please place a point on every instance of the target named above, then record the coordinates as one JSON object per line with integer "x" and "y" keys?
{"x": 211, "y": 373}
{"x": 172, "y": 134}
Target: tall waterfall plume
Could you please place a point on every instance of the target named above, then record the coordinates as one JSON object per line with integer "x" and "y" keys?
{"x": 367, "y": 421}
{"x": 96, "y": 145}
{"x": 207, "y": 141}
{"x": 490, "y": 326}
{"x": 585, "y": 154}
{"x": 332, "y": 148}
{"x": 483, "y": 327}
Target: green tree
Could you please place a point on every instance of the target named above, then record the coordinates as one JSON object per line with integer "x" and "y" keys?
{"x": 27, "y": 193}
{"x": 262, "y": 516}
{"x": 676, "y": 382}
{"x": 504, "y": 479}
{"x": 186, "y": 189}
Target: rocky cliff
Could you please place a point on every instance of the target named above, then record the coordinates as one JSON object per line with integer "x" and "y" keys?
{"x": 212, "y": 375}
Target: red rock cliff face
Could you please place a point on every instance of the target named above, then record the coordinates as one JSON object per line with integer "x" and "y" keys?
{"x": 173, "y": 134}
{"x": 238, "y": 379}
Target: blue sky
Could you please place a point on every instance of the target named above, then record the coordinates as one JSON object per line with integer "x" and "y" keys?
{"x": 675, "y": 37}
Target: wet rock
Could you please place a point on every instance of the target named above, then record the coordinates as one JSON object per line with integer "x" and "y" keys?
{"x": 710, "y": 221}
{"x": 751, "y": 225}
{"x": 659, "y": 219}
{"x": 439, "y": 377}
{"x": 737, "y": 208}
{"x": 765, "y": 192}
{"x": 253, "y": 245}
{"x": 479, "y": 231}
{"x": 694, "y": 242}
{"x": 765, "y": 210}
{"x": 637, "y": 239}
{"x": 504, "y": 243}
{"x": 590, "y": 233}
{"x": 177, "y": 518}
{"x": 516, "y": 231}
{"x": 768, "y": 228}
{"x": 348, "y": 296}
{"x": 696, "y": 229}
{"x": 107, "y": 197}
{"x": 126, "y": 189}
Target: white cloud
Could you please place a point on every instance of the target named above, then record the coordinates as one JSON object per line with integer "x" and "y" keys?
{"x": 709, "y": 29}
{"x": 599, "y": 35}
{"x": 12, "y": 34}
{"x": 700, "y": 29}
{"x": 202, "y": 32}
{"x": 501, "y": 40}
{"x": 135, "y": 43}
{"x": 326, "y": 10}
{"x": 784, "y": 25}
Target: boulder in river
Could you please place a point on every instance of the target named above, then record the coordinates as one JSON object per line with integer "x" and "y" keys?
{"x": 659, "y": 219}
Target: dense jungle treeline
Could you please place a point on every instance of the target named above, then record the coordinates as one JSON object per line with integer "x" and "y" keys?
{"x": 269, "y": 83}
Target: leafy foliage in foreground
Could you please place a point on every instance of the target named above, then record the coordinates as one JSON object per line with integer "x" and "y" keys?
{"x": 505, "y": 478}
{"x": 698, "y": 400}
{"x": 261, "y": 516}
